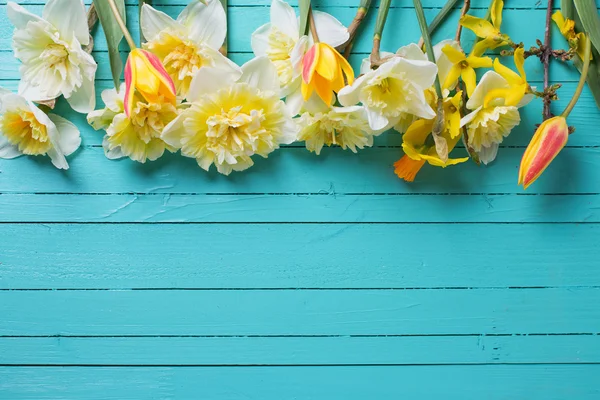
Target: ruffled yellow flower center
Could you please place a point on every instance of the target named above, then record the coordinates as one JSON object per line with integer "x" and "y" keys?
{"x": 22, "y": 129}
{"x": 181, "y": 58}
{"x": 389, "y": 94}
{"x": 151, "y": 118}
{"x": 333, "y": 129}
{"x": 280, "y": 47}
{"x": 492, "y": 125}
{"x": 55, "y": 56}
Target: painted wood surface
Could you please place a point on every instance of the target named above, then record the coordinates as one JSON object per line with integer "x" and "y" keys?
{"x": 305, "y": 277}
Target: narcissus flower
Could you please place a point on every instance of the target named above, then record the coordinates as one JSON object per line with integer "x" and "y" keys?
{"x": 489, "y": 31}
{"x": 464, "y": 66}
{"x": 281, "y": 42}
{"x": 420, "y": 146}
{"x": 136, "y": 135}
{"x": 518, "y": 86}
{"x": 549, "y": 139}
{"x": 27, "y": 130}
{"x": 325, "y": 71}
{"x": 567, "y": 29}
{"x": 346, "y": 127}
{"x": 491, "y": 119}
{"x": 50, "y": 48}
{"x": 233, "y": 114}
{"x": 190, "y": 42}
{"x": 145, "y": 76}
{"x": 393, "y": 90}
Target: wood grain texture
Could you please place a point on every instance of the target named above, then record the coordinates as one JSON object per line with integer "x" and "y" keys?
{"x": 305, "y": 277}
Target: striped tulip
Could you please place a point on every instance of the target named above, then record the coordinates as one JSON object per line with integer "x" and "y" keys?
{"x": 326, "y": 71}
{"x": 548, "y": 141}
{"x": 146, "y": 75}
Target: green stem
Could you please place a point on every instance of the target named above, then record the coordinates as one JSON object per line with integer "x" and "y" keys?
{"x": 439, "y": 18}
{"x": 427, "y": 41}
{"x": 304, "y": 16}
{"x": 582, "y": 79}
{"x": 121, "y": 24}
{"x": 384, "y": 8}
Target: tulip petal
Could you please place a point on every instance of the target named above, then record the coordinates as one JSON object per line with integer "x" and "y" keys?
{"x": 309, "y": 63}
{"x": 130, "y": 78}
{"x": 158, "y": 70}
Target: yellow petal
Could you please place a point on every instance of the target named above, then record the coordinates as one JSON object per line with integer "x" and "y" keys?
{"x": 511, "y": 76}
{"x": 417, "y": 132}
{"x": 496, "y": 13}
{"x": 454, "y": 125}
{"x": 495, "y": 94}
{"x": 480, "y": 62}
{"x": 481, "y": 27}
{"x": 480, "y": 47}
{"x": 559, "y": 20}
{"x": 323, "y": 88}
{"x": 520, "y": 62}
{"x": 452, "y": 77}
{"x": 307, "y": 91}
{"x": 327, "y": 65}
{"x": 470, "y": 78}
{"x": 454, "y": 55}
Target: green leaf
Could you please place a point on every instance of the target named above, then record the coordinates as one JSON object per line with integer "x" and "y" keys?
{"x": 567, "y": 8}
{"x": 304, "y": 10}
{"x": 593, "y": 78}
{"x": 588, "y": 13}
{"x": 113, "y": 34}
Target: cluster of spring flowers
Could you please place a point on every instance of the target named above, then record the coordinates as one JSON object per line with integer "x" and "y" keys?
{"x": 182, "y": 94}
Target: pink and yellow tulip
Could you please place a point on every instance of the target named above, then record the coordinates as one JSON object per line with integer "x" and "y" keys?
{"x": 549, "y": 139}
{"x": 146, "y": 75}
{"x": 325, "y": 71}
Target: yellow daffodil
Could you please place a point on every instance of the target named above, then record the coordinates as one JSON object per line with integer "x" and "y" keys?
{"x": 464, "y": 66}
{"x": 518, "y": 85}
{"x": 549, "y": 139}
{"x": 567, "y": 29}
{"x": 489, "y": 31}
{"x": 136, "y": 135}
{"x": 146, "y": 76}
{"x": 325, "y": 71}
{"x": 27, "y": 130}
{"x": 419, "y": 145}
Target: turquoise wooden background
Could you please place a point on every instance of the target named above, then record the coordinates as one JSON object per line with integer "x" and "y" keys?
{"x": 305, "y": 277}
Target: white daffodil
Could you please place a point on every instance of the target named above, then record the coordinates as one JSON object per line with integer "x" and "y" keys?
{"x": 234, "y": 114}
{"x": 189, "y": 43}
{"x": 281, "y": 42}
{"x": 49, "y": 47}
{"x": 137, "y": 136}
{"x": 346, "y": 127}
{"x": 25, "y": 129}
{"x": 490, "y": 121}
{"x": 394, "y": 89}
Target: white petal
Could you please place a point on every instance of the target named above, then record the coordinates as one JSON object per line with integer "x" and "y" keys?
{"x": 365, "y": 65}
{"x": 207, "y": 24}
{"x": 153, "y": 22}
{"x": 284, "y": 18}
{"x": 219, "y": 60}
{"x": 83, "y": 99}
{"x": 12, "y": 101}
{"x": 330, "y": 30}
{"x": 491, "y": 80}
{"x": 441, "y": 59}
{"x": 56, "y": 154}
{"x": 315, "y": 105}
{"x": 421, "y": 73}
{"x": 210, "y": 80}
{"x": 19, "y": 16}
{"x": 488, "y": 154}
{"x": 3, "y": 92}
{"x": 412, "y": 52}
{"x": 470, "y": 117}
{"x": 113, "y": 100}
{"x": 35, "y": 93}
{"x": 260, "y": 40}
{"x": 350, "y": 95}
{"x": 173, "y": 132}
{"x": 261, "y": 73}
{"x": 526, "y": 99}
{"x": 111, "y": 154}
{"x": 69, "y": 17}
{"x": 297, "y": 54}
{"x": 294, "y": 102}
{"x": 8, "y": 150}
{"x": 377, "y": 121}
{"x": 69, "y": 138}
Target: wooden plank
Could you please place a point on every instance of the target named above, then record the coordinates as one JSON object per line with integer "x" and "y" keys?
{"x": 298, "y": 256}
{"x": 399, "y": 350}
{"x": 299, "y": 312}
{"x": 325, "y": 208}
{"x": 335, "y": 171}
{"x": 490, "y": 382}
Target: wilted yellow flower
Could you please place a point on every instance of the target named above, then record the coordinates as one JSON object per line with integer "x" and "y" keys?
{"x": 464, "y": 66}
{"x": 549, "y": 139}
{"x": 325, "y": 71}
{"x": 489, "y": 31}
{"x": 567, "y": 29}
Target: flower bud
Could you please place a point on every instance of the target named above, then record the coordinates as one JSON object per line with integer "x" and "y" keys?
{"x": 145, "y": 74}
{"x": 547, "y": 142}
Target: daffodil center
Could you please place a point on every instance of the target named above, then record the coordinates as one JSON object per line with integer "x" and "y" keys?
{"x": 464, "y": 64}
{"x": 385, "y": 85}
{"x": 54, "y": 54}
{"x": 149, "y": 119}
{"x": 234, "y": 129}
{"x": 22, "y": 129}
{"x": 278, "y": 51}
{"x": 183, "y": 61}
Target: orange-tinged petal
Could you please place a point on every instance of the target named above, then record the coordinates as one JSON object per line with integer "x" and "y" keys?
{"x": 145, "y": 74}
{"x": 327, "y": 65}
{"x": 309, "y": 63}
{"x": 323, "y": 88}
{"x": 130, "y": 77}
{"x": 406, "y": 168}
{"x": 547, "y": 142}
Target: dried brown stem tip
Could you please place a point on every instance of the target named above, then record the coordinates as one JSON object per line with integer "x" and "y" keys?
{"x": 463, "y": 12}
